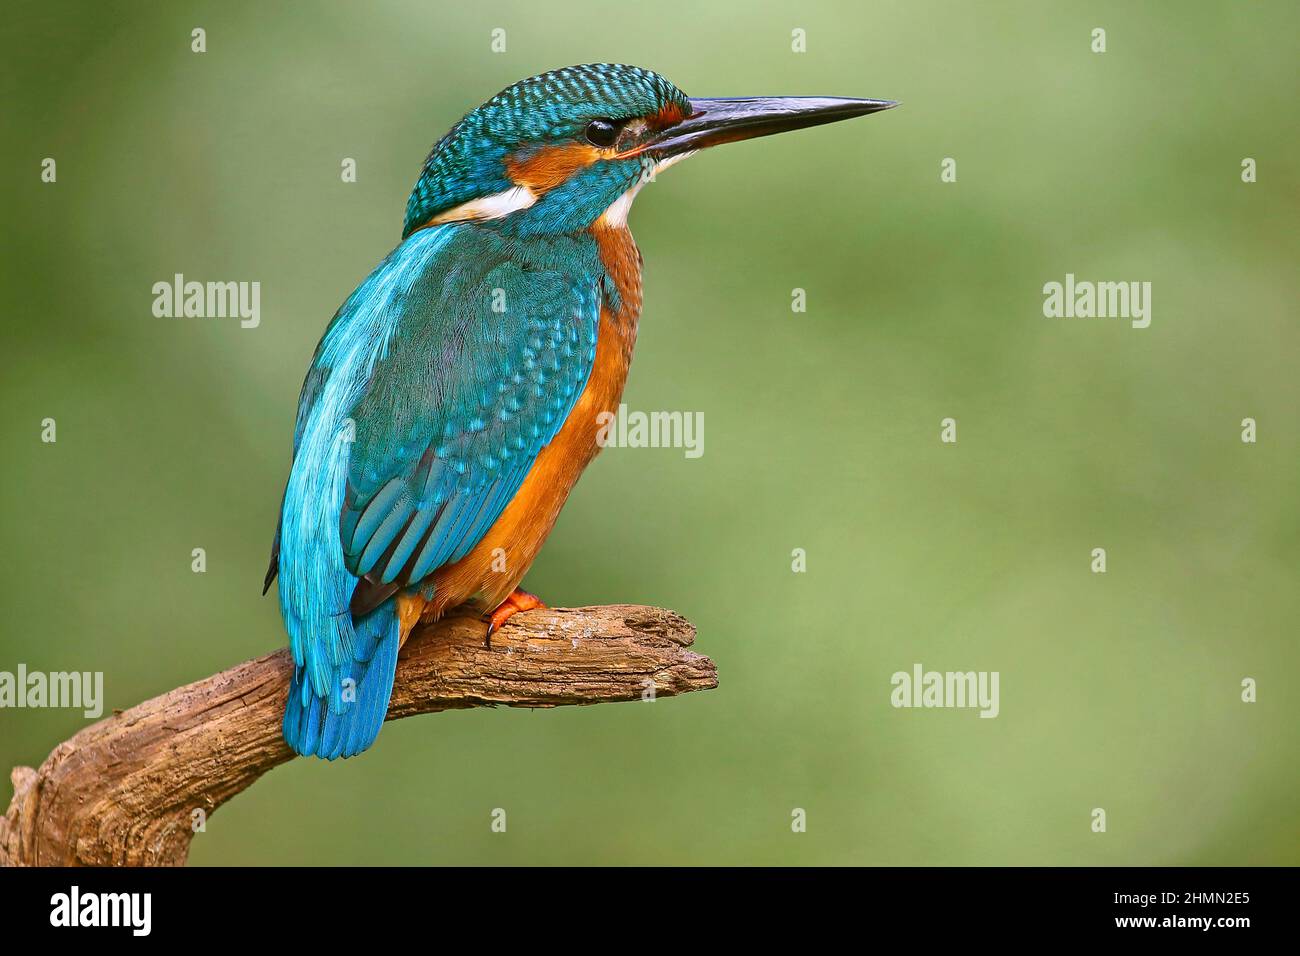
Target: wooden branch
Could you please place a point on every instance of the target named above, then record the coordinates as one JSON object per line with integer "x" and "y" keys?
{"x": 123, "y": 791}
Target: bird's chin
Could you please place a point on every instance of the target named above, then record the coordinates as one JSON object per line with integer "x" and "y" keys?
{"x": 615, "y": 217}
{"x": 673, "y": 160}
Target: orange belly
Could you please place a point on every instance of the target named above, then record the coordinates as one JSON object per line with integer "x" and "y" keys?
{"x": 496, "y": 565}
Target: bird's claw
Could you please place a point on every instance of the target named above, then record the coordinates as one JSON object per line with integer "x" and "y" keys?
{"x": 519, "y": 600}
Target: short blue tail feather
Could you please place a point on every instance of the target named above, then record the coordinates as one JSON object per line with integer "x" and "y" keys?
{"x": 313, "y": 727}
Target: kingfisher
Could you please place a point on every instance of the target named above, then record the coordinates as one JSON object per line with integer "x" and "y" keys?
{"x": 453, "y": 401}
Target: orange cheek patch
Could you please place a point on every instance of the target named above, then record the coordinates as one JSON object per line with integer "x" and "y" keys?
{"x": 544, "y": 169}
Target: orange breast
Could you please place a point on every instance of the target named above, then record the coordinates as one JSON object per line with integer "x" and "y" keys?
{"x": 499, "y": 562}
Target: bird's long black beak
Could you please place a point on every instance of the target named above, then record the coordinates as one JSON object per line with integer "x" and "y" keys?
{"x": 730, "y": 119}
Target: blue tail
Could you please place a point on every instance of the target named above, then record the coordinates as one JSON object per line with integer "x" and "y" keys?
{"x": 348, "y": 720}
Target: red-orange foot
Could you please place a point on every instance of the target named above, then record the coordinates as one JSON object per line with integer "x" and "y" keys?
{"x": 519, "y": 600}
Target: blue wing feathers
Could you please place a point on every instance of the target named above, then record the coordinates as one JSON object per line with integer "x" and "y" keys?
{"x": 425, "y": 407}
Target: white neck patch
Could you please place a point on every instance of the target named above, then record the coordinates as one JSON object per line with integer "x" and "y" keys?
{"x": 615, "y": 217}
{"x": 496, "y": 206}
{"x": 499, "y": 205}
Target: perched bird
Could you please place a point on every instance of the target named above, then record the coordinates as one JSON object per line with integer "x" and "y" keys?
{"x": 452, "y": 403}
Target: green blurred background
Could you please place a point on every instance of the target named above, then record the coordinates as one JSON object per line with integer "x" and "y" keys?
{"x": 1119, "y": 691}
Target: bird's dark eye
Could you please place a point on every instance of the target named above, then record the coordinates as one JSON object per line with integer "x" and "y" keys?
{"x": 602, "y": 132}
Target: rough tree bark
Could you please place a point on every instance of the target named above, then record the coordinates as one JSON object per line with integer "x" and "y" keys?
{"x": 123, "y": 791}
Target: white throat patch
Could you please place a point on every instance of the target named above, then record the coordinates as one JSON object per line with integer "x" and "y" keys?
{"x": 615, "y": 217}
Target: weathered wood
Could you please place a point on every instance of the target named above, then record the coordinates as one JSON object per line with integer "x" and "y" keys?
{"x": 123, "y": 791}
